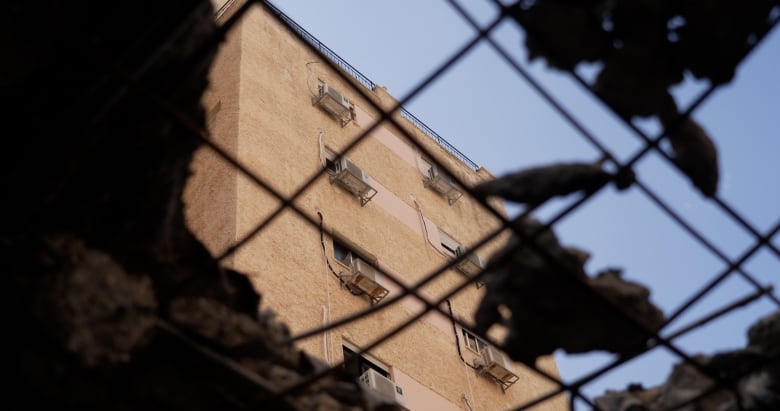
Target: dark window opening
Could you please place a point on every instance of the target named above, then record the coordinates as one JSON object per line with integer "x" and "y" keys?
{"x": 343, "y": 254}
{"x": 356, "y": 365}
{"x": 448, "y": 244}
{"x": 330, "y": 165}
{"x": 448, "y": 248}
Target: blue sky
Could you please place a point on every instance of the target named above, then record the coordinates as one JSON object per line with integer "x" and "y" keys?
{"x": 485, "y": 109}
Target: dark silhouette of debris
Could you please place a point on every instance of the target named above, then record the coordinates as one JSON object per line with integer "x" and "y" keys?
{"x": 571, "y": 28}
{"x": 646, "y": 47}
{"x": 764, "y": 335}
{"x": 655, "y": 41}
{"x": 87, "y": 302}
{"x": 754, "y": 371}
{"x": 629, "y": 83}
{"x": 693, "y": 151}
{"x": 554, "y": 304}
{"x": 716, "y": 34}
{"x": 113, "y": 303}
{"x": 536, "y": 185}
{"x": 234, "y": 333}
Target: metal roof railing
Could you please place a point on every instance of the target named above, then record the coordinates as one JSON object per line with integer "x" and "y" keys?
{"x": 327, "y": 52}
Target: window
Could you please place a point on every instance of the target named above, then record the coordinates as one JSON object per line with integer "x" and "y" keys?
{"x": 345, "y": 252}
{"x": 473, "y": 342}
{"x": 361, "y": 277}
{"x": 449, "y": 244}
{"x": 330, "y": 165}
{"x": 471, "y": 265}
{"x": 441, "y": 181}
{"x": 356, "y": 365}
{"x": 342, "y": 254}
{"x": 349, "y": 176}
{"x": 330, "y": 162}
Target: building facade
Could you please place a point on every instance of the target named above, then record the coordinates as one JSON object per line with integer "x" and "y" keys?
{"x": 381, "y": 210}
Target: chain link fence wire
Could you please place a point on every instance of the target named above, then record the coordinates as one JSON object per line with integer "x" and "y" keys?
{"x": 666, "y": 339}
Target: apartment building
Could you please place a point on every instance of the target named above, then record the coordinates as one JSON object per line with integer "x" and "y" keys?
{"x": 376, "y": 211}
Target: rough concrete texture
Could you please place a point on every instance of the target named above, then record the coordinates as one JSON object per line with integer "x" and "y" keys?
{"x": 753, "y": 373}
{"x": 86, "y": 300}
{"x": 111, "y": 301}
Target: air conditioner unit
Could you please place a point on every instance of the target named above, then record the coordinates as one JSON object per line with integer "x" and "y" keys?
{"x": 495, "y": 364}
{"x": 472, "y": 264}
{"x": 353, "y": 179}
{"x": 364, "y": 279}
{"x": 384, "y": 386}
{"x": 335, "y": 104}
{"x": 442, "y": 182}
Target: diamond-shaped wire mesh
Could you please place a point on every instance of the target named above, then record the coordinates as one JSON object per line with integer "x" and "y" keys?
{"x": 651, "y": 146}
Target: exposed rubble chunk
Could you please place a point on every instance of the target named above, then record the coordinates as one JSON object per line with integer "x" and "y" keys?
{"x": 114, "y": 303}
{"x": 554, "y": 304}
{"x": 89, "y": 303}
{"x": 753, "y": 371}
{"x": 646, "y": 47}
{"x": 536, "y": 185}
{"x": 693, "y": 151}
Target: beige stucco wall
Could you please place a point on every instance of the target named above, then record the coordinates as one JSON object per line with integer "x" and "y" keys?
{"x": 260, "y": 110}
{"x": 210, "y": 193}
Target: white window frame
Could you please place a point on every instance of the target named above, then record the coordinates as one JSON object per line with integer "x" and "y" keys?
{"x": 372, "y": 362}
{"x": 473, "y": 342}
{"x": 352, "y": 250}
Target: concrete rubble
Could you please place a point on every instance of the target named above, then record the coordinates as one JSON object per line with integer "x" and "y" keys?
{"x": 112, "y": 302}
{"x": 644, "y": 48}
{"x": 555, "y": 304}
{"x": 753, "y": 372}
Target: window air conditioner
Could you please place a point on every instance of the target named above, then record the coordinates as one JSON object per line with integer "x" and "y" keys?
{"x": 364, "y": 279}
{"x": 385, "y": 387}
{"x": 472, "y": 264}
{"x": 335, "y": 104}
{"x": 353, "y": 179}
{"x": 495, "y": 364}
{"x": 442, "y": 182}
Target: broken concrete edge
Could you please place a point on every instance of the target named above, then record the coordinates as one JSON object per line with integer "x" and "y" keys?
{"x": 753, "y": 373}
